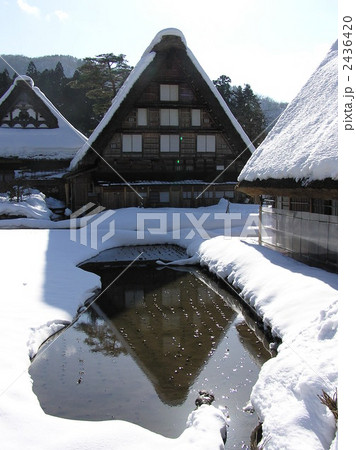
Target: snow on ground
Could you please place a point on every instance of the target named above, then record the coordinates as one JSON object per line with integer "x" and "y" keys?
{"x": 42, "y": 289}
{"x": 32, "y": 204}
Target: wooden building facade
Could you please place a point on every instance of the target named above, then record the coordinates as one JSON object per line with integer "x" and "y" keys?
{"x": 167, "y": 135}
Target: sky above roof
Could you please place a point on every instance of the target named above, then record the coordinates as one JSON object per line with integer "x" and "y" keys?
{"x": 272, "y": 45}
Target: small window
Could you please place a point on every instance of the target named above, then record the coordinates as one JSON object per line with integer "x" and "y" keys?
{"x": 206, "y": 143}
{"x": 142, "y": 117}
{"x": 170, "y": 143}
{"x": 169, "y": 117}
{"x": 131, "y": 143}
{"x": 114, "y": 145}
{"x": 196, "y": 118}
{"x": 169, "y": 92}
{"x": 164, "y": 197}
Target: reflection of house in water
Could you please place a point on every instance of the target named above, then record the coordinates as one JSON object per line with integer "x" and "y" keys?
{"x": 169, "y": 329}
{"x": 154, "y": 344}
{"x": 248, "y": 339}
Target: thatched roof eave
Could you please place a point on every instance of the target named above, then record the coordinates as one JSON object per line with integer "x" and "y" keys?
{"x": 289, "y": 187}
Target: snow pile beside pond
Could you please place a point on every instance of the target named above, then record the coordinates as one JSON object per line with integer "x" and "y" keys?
{"x": 32, "y": 205}
{"x": 42, "y": 289}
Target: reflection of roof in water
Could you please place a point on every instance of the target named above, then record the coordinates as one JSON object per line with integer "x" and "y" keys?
{"x": 170, "y": 328}
{"x": 250, "y": 342}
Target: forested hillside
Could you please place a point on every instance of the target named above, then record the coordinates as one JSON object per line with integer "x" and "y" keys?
{"x": 20, "y": 63}
{"x": 82, "y": 90}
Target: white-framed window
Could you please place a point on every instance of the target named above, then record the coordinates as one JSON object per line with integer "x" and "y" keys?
{"x": 170, "y": 143}
{"x": 205, "y": 143}
{"x": 169, "y": 117}
{"x": 196, "y": 118}
{"x": 142, "y": 117}
{"x": 169, "y": 92}
{"x": 131, "y": 143}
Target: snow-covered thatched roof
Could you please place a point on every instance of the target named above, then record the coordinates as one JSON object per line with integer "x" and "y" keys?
{"x": 146, "y": 60}
{"x": 303, "y": 145}
{"x": 60, "y": 142}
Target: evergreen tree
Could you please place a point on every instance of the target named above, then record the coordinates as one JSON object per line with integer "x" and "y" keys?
{"x": 223, "y": 85}
{"x": 245, "y": 106}
{"x": 78, "y": 108}
{"x": 32, "y": 72}
{"x": 238, "y": 103}
{"x": 101, "y": 77}
{"x": 58, "y": 82}
{"x": 44, "y": 82}
{"x": 58, "y": 74}
{"x": 5, "y": 82}
{"x": 254, "y": 120}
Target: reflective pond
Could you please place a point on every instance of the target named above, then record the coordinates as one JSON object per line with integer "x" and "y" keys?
{"x": 144, "y": 349}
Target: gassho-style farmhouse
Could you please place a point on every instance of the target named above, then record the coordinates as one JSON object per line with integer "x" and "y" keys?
{"x": 169, "y": 140}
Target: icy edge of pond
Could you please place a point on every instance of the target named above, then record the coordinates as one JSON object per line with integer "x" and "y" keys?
{"x": 39, "y": 335}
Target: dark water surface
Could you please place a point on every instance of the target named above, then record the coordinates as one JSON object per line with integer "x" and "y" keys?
{"x": 146, "y": 347}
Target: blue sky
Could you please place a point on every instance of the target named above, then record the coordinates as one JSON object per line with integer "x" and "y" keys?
{"x": 274, "y": 45}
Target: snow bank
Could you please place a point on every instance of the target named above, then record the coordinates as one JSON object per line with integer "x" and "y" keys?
{"x": 304, "y": 142}
{"x": 33, "y": 205}
{"x": 300, "y": 305}
{"x": 42, "y": 290}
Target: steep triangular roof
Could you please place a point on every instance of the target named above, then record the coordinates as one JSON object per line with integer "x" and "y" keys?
{"x": 144, "y": 70}
{"x": 303, "y": 145}
{"x": 31, "y": 127}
